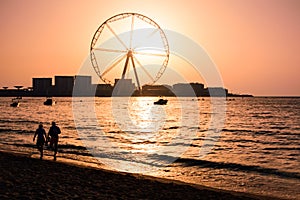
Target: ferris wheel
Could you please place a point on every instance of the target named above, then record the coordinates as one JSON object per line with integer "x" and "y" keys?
{"x": 129, "y": 46}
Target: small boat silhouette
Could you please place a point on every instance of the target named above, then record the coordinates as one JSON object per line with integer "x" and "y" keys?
{"x": 15, "y": 102}
{"x": 161, "y": 102}
{"x": 49, "y": 101}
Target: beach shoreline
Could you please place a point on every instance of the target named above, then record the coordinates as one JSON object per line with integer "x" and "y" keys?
{"x": 31, "y": 178}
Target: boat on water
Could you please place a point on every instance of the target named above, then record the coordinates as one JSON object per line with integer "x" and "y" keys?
{"x": 15, "y": 102}
{"x": 161, "y": 102}
{"x": 49, "y": 101}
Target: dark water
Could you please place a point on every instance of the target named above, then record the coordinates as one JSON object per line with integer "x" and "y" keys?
{"x": 257, "y": 149}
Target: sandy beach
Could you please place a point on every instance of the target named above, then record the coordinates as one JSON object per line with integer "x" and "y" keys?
{"x": 23, "y": 177}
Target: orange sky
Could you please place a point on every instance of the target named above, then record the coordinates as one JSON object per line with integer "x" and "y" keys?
{"x": 255, "y": 44}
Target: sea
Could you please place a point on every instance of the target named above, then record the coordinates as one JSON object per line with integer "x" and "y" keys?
{"x": 239, "y": 144}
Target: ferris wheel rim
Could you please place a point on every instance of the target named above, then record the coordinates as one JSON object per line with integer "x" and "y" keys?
{"x": 121, "y": 16}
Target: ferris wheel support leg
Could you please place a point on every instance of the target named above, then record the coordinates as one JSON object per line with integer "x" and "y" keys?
{"x": 135, "y": 73}
{"x": 125, "y": 67}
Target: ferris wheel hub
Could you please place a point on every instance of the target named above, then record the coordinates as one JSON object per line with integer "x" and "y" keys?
{"x": 129, "y": 53}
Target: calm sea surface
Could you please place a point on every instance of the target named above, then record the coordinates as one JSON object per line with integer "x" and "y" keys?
{"x": 256, "y": 150}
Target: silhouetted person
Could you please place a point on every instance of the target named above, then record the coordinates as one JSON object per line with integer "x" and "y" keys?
{"x": 41, "y": 137}
{"x": 54, "y": 131}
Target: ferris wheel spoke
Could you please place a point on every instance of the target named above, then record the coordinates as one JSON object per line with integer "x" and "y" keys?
{"x": 118, "y": 38}
{"x": 143, "y": 68}
{"x": 113, "y": 65}
{"x": 131, "y": 33}
{"x": 149, "y": 54}
{"x": 110, "y": 50}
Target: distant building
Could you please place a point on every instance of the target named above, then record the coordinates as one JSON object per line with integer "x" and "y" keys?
{"x": 183, "y": 90}
{"x": 198, "y": 89}
{"x": 103, "y": 90}
{"x": 41, "y": 86}
{"x": 217, "y": 92}
{"x": 83, "y": 86}
{"x": 63, "y": 85}
{"x": 123, "y": 87}
{"x": 157, "y": 90}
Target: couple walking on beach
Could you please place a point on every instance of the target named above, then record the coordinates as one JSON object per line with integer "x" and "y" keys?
{"x": 43, "y": 138}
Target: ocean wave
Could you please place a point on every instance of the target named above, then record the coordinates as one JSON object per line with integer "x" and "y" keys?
{"x": 237, "y": 167}
{"x": 171, "y": 127}
{"x": 272, "y": 132}
{"x": 20, "y": 145}
{"x": 279, "y": 127}
{"x": 265, "y": 132}
{"x": 282, "y": 148}
{"x": 261, "y": 141}
{"x": 236, "y": 130}
{"x": 70, "y": 127}
{"x": 243, "y": 141}
{"x": 71, "y": 146}
{"x": 61, "y": 146}
{"x": 18, "y": 121}
{"x": 75, "y": 153}
{"x": 262, "y": 116}
{"x": 144, "y": 142}
{"x": 9, "y": 130}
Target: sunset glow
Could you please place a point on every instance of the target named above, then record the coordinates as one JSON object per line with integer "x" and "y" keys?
{"x": 255, "y": 44}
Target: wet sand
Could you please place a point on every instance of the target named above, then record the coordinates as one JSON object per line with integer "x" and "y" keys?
{"x": 22, "y": 177}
